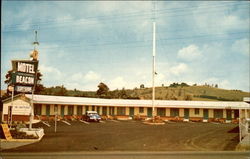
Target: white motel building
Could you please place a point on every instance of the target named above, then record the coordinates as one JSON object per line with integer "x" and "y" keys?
{"x": 47, "y": 106}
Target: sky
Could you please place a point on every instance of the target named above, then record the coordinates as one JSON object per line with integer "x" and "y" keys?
{"x": 83, "y": 43}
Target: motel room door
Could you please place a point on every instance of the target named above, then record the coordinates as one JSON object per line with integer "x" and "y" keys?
{"x": 229, "y": 114}
{"x": 131, "y": 111}
{"x": 186, "y": 113}
{"x": 205, "y": 113}
{"x": 62, "y": 110}
{"x": 47, "y": 110}
{"x": 149, "y": 112}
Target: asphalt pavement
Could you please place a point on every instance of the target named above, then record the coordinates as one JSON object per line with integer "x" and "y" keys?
{"x": 130, "y": 155}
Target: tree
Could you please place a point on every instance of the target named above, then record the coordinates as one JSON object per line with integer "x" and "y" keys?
{"x": 189, "y": 97}
{"x": 61, "y": 90}
{"x": 184, "y": 84}
{"x": 102, "y": 90}
{"x": 39, "y": 89}
{"x": 142, "y": 86}
{"x": 123, "y": 94}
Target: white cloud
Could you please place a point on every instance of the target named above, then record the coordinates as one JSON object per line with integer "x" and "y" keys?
{"x": 77, "y": 76}
{"x": 92, "y": 76}
{"x": 159, "y": 79}
{"x": 189, "y": 53}
{"x": 220, "y": 20}
{"x": 179, "y": 69}
{"x": 50, "y": 73}
{"x": 117, "y": 82}
{"x": 241, "y": 46}
{"x": 51, "y": 70}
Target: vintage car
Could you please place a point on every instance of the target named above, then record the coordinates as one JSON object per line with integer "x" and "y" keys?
{"x": 92, "y": 116}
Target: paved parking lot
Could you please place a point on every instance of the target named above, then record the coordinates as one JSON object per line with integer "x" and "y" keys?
{"x": 134, "y": 136}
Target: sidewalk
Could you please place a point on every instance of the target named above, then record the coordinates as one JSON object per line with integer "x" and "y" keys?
{"x": 4, "y": 144}
{"x": 244, "y": 145}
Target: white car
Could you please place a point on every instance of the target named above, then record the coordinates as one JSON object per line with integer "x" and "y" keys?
{"x": 92, "y": 116}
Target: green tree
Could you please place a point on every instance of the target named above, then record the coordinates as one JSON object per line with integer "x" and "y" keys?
{"x": 123, "y": 94}
{"x": 142, "y": 86}
{"x": 102, "y": 90}
{"x": 39, "y": 89}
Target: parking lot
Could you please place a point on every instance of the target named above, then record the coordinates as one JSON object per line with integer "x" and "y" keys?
{"x": 134, "y": 136}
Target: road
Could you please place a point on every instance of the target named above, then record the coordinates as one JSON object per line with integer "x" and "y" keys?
{"x": 130, "y": 155}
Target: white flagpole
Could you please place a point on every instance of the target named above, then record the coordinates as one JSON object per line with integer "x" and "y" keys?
{"x": 153, "y": 75}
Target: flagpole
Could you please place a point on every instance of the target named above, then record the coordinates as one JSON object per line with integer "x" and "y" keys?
{"x": 153, "y": 73}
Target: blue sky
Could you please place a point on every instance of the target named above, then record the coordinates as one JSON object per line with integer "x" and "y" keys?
{"x": 84, "y": 43}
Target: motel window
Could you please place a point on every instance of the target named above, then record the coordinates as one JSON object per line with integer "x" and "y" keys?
{"x": 98, "y": 109}
{"x": 56, "y": 109}
{"x": 37, "y": 109}
{"x": 87, "y": 108}
{"x": 104, "y": 110}
{"x": 121, "y": 111}
{"x": 218, "y": 113}
{"x": 196, "y": 111}
{"x": 93, "y": 108}
{"x": 141, "y": 110}
{"x": 174, "y": 112}
{"x": 70, "y": 110}
{"x": 111, "y": 110}
{"x": 79, "y": 110}
{"x": 161, "y": 111}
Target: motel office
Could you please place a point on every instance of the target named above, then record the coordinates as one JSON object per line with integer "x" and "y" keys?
{"x": 45, "y": 108}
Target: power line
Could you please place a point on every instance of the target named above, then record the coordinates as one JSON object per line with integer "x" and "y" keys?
{"x": 114, "y": 19}
{"x": 148, "y": 42}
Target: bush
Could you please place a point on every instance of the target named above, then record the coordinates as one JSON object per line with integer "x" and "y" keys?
{"x": 21, "y": 135}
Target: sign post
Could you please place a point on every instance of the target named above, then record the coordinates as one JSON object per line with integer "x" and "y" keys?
{"x": 56, "y": 109}
{"x": 24, "y": 77}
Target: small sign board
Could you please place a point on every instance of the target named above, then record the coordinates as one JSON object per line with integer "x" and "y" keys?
{"x": 6, "y": 131}
{"x": 23, "y": 78}
{"x": 23, "y": 89}
{"x": 21, "y": 110}
{"x": 25, "y": 66}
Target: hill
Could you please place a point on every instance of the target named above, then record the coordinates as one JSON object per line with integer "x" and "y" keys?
{"x": 200, "y": 93}
{"x": 172, "y": 92}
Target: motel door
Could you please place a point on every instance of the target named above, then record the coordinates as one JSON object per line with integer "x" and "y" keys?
{"x": 47, "y": 110}
{"x": 131, "y": 111}
{"x": 62, "y": 110}
{"x": 229, "y": 114}
{"x": 186, "y": 113}
{"x": 149, "y": 112}
{"x": 205, "y": 113}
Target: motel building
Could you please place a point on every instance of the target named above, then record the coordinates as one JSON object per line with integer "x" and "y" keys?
{"x": 47, "y": 106}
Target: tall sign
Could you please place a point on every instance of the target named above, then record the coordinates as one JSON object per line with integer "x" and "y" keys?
{"x": 24, "y": 75}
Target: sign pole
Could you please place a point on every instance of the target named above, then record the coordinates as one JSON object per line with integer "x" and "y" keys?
{"x": 56, "y": 117}
{"x": 12, "y": 98}
{"x": 32, "y": 98}
{"x": 31, "y": 110}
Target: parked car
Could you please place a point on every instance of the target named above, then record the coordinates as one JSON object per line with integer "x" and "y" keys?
{"x": 92, "y": 116}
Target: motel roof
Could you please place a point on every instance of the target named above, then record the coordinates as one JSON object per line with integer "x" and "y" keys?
{"x": 66, "y": 100}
